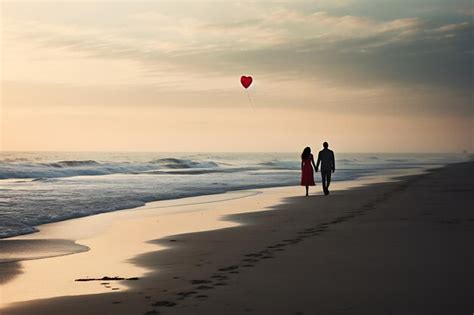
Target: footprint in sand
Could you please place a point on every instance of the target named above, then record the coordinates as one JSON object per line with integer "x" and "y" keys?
{"x": 220, "y": 277}
{"x": 253, "y": 255}
{"x": 200, "y": 281}
{"x": 185, "y": 294}
{"x": 204, "y": 287}
{"x": 164, "y": 303}
{"x": 233, "y": 267}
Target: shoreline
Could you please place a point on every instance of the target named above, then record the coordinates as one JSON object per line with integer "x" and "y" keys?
{"x": 388, "y": 173}
{"x": 148, "y": 259}
{"x": 39, "y": 235}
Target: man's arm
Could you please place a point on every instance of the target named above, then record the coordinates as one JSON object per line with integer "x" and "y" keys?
{"x": 333, "y": 160}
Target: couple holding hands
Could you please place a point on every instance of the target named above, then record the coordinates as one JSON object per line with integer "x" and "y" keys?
{"x": 328, "y": 166}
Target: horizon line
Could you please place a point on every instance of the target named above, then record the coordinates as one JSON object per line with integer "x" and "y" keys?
{"x": 227, "y": 152}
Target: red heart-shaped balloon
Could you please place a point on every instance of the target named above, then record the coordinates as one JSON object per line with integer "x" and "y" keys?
{"x": 246, "y": 81}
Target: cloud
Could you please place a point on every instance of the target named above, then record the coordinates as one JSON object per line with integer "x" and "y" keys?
{"x": 282, "y": 43}
{"x": 321, "y": 22}
{"x": 450, "y": 28}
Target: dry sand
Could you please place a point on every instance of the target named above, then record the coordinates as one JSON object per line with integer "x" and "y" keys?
{"x": 393, "y": 248}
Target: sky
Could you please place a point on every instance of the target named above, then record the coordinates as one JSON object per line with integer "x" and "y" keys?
{"x": 366, "y": 76}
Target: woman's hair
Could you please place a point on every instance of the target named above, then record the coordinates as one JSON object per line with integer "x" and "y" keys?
{"x": 306, "y": 153}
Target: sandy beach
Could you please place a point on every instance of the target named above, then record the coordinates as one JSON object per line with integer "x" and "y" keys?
{"x": 397, "y": 247}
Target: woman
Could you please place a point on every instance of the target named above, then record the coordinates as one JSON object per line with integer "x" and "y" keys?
{"x": 307, "y": 172}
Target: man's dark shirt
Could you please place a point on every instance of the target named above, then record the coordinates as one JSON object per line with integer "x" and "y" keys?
{"x": 326, "y": 157}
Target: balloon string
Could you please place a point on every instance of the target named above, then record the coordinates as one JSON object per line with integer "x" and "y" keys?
{"x": 250, "y": 100}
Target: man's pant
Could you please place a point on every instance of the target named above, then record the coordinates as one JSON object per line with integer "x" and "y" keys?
{"x": 326, "y": 180}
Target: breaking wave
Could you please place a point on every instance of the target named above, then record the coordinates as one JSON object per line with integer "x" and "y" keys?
{"x": 59, "y": 169}
{"x": 183, "y": 163}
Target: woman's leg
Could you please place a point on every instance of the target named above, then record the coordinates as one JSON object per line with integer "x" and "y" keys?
{"x": 307, "y": 188}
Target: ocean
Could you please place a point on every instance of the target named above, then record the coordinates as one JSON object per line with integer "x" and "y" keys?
{"x": 45, "y": 187}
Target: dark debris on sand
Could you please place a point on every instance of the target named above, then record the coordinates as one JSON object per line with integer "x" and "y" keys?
{"x": 106, "y": 278}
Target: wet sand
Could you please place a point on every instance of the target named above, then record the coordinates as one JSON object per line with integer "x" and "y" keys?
{"x": 388, "y": 248}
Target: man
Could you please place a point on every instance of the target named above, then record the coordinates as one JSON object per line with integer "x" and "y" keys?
{"x": 328, "y": 166}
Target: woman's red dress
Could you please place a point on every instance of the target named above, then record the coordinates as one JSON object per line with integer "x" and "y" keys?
{"x": 307, "y": 172}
